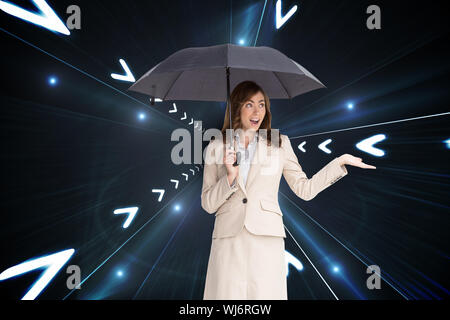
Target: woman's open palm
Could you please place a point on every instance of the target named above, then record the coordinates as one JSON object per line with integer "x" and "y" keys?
{"x": 354, "y": 161}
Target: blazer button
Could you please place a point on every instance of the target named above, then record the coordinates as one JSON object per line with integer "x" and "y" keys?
{"x": 244, "y": 200}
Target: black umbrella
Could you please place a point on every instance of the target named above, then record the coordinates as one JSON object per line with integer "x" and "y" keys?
{"x": 207, "y": 73}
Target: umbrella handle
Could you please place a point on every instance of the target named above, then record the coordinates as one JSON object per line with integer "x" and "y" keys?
{"x": 238, "y": 159}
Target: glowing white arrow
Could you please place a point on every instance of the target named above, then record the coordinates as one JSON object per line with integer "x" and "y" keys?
{"x": 323, "y": 145}
{"x": 193, "y": 172}
{"x": 192, "y": 121}
{"x": 184, "y": 117}
{"x": 174, "y": 109}
{"x": 128, "y": 75}
{"x": 131, "y": 214}
{"x": 48, "y": 19}
{"x": 52, "y": 264}
{"x": 156, "y": 99}
{"x": 367, "y": 145}
{"x": 198, "y": 169}
{"x": 290, "y": 259}
{"x": 184, "y": 174}
{"x": 282, "y": 20}
{"x": 176, "y": 183}
{"x": 300, "y": 146}
{"x": 161, "y": 193}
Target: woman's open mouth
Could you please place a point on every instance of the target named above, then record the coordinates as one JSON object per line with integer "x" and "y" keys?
{"x": 254, "y": 121}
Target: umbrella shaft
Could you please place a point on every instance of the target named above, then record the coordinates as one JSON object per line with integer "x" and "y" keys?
{"x": 236, "y": 163}
{"x": 228, "y": 93}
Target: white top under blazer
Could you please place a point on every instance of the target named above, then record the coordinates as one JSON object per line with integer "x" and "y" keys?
{"x": 246, "y": 157}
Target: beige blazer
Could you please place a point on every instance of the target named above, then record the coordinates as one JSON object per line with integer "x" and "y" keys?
{"x": 255, "y": 204}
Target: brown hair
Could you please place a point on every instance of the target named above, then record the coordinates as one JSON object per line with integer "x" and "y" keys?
{"x": 242, "y": 93}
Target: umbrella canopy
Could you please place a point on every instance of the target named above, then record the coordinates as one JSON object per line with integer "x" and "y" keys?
{"x": 201, "y": 74}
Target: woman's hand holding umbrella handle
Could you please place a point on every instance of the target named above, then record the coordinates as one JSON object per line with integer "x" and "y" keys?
{"x": 354, "y": 161}
{"x": 229, "y": 159}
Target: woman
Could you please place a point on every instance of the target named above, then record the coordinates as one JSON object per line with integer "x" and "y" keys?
{"x": 247, "y": 252}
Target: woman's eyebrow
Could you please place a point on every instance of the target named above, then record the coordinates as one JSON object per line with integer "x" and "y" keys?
{"x": 259, "y": 100}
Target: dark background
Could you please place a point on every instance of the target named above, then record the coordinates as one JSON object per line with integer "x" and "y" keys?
{"x": 75, "y": 152}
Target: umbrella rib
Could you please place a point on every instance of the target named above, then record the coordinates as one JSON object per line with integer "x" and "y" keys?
{"x": 287, "y": 93}
{"x": 171, "y": 85}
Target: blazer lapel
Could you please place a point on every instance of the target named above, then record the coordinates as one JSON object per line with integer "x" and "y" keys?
{"x": 254, "y": 165}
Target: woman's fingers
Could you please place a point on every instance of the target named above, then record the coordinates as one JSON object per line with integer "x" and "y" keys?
{"x": 363, "y": 165}
{"x": 367, "y": 166}
{"x": 230, "y": 156}
{"x": 356, "y": 161}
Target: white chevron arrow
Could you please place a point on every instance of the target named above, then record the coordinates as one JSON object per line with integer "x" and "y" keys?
{"x": 128, "y": 75}
{"x": 156, "y": 99}
{"x": 47, "y": 19}
{"x": 282, "y": 20}
{"x": 51, "y": 264}
{"x": 198, "y": 169}
{"x": 131, "y": 211}
{"x": 290, "y": 259}
{"x": 192, "y": 121}
{"x": 161, "y": 193}
{"x": 176, "y": 183}
{"x": 366, "y": 145}
{"x": 184, "y": 117}
{"x": 323, "y": 147}
{"x": 193, "y": 172}
{"x": 184, "y": 174}
{"x": 300, "y": 146}
{"x": 174, "y": 108}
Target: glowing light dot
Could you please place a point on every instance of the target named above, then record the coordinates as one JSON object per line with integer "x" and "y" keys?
{"x": 448, "y": 143}
{"x": 241, "y": 41}
{"x": 52, "y": 81}
{"x": 177, "y": 207}
{"x": 141, "y": 116}
{"x": 350, "y": 106}
{"x": 119, "y": 273}
{"x": 336, "y": 269}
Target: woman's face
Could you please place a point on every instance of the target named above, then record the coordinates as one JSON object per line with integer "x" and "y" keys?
{"x": 253, "y": 112}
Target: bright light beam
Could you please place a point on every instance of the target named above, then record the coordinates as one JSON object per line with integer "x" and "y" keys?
{"x": 338, "y": 241}
{"x": 53, "y": 264}
{"x": 372, "y": 125}
{"x": 312, "y": 264}
{"x": 48, "y": 19}
{"x": 131, "y": 237}
{"x": 86, "y": 74}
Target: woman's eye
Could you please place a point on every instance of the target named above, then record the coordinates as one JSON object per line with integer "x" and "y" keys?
{"x": 261, "y": 105}
{"x": 248, "y": 104}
